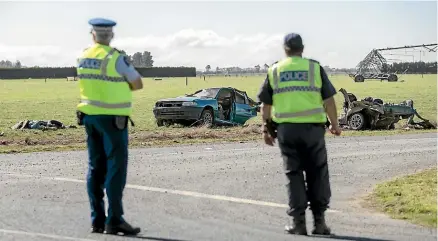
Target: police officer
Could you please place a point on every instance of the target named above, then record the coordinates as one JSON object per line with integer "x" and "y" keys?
{"x": 106, "y": 82}
{"x": 298, "y": 96}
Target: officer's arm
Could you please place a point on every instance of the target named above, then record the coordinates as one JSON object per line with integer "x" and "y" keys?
{"x": 265, "y": 96}
{"x": 125, "y": 69}
{"x": 327, "y": 92}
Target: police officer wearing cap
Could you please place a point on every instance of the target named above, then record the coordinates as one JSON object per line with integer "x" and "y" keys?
{"x": 298, "y": 96}
{"x": 106, "y": 82}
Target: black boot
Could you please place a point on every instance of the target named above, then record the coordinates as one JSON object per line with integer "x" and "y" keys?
{"x": 124, "y": 228}
{"x": 298, "y": 227}
{"x": 97, "y": 229}
{"x": 320, "y": 227}
{"x": 98, "y": 226}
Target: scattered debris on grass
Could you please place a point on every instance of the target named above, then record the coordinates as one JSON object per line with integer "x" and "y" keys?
{"x": 40, "y": 125}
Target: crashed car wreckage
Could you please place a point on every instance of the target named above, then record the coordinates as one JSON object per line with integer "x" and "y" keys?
{"x": 373, "y": 113}
{"x": 210, "y": 106}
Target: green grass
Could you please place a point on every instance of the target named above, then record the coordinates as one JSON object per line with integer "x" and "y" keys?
{"x": 412, "y": 198}
{"x": 57, "y": 99}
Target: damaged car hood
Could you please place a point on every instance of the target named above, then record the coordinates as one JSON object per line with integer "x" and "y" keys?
{"x": 184, "y": 98}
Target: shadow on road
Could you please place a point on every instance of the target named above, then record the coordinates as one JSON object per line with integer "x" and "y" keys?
{"x": 343, "y": 237}
{"x": 152, "y": 238}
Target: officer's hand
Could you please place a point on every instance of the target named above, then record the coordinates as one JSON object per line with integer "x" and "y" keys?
{"x": 335, "y": 130}
{"x": 268, "y": 139}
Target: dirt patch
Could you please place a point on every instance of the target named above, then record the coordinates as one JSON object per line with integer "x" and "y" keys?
{"x": 47, "y": 140}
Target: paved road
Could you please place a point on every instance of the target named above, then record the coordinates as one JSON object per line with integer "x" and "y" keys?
{"x": 210, "y": 192}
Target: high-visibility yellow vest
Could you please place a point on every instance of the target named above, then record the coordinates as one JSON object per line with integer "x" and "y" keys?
{"x": 103, "y": 90}
{"x": 296, "y": 84}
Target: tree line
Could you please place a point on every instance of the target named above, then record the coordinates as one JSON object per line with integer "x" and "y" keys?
{"x": 10, "y": 64}
{"x": 419, "y": 67}
{"x": 410, "y": 68}
{"x": 145, "y": 59}
{"x": 139, "y": 60}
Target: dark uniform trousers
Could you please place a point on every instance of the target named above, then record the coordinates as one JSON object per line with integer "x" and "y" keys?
{"x": 303, "y": 149}
{"x": 107, "y": 167}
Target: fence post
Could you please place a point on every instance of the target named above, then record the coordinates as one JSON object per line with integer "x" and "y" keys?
{"x": 187, "y": 81}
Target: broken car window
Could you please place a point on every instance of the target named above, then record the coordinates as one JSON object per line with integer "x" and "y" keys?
{"x": 209, "y": 93}
{"x": 240, "y": 99}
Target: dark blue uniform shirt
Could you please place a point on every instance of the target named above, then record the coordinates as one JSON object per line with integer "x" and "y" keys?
{"x": 327, "y": 89}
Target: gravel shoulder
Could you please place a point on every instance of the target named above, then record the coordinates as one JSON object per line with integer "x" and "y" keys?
{"x": 210, "y": 192}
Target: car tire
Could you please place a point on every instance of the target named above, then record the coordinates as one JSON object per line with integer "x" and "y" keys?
{"x": 356, "y": 121}
{"x": 160, "y": 123}
{"x": 207, "y": 118}
{"x": 359, "y": 78}
{"x": 392, "y": 78}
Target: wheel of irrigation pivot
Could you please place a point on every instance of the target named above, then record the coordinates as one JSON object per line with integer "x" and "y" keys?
{"x": 356, "y": 121}
{"x": 392, "y": 78}
{"x": 207, "y": 118}
{"x": 359, "y": 78}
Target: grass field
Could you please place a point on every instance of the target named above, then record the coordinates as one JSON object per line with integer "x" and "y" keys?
{"x": 56, "y": 99}
{"x": 411, "y": 198}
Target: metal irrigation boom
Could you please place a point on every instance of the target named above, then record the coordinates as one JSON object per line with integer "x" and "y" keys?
{"x": 374, "y": 65}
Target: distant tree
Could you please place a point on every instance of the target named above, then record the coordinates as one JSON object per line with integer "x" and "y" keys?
{"x": 207, "y": 68}
{"x": 7, "y": 64}
{"x": 17, "y": 64}
{"x": 257, "y": 68}
{"x": 136, "y": 59}
{"x": 140, "y": 60}
{"x": 146, "y": 59}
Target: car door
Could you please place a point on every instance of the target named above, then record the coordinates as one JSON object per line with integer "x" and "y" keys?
{"x": 242, "y": 109}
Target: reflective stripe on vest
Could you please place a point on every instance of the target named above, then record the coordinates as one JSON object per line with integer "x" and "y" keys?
{"x": 107, "y": 105}
{"x": 299, "y": 114}
{"x": 105, "y": 61}
{"x": 101, "y": 77}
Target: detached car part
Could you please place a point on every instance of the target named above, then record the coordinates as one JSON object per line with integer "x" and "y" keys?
{"x": 373, "y": 113}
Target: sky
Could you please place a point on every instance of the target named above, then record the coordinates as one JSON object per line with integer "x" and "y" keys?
{"x": 222, "y": 33}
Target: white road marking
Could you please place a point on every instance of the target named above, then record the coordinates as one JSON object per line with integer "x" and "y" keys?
{"x": 177, "y": 192}
{"x": 52, "y": 236}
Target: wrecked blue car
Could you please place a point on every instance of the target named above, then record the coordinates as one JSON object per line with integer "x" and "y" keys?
{"x": 211, "y": 106}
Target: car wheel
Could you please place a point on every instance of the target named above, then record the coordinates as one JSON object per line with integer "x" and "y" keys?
{"x": 160, "y": 123}
{"x": 392, "y": 78}
{"x": 207, "y": 117}
{"x": 359, "y": 78}
{"x": 168, "y": 123}
{"x": 356, "y": 121}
